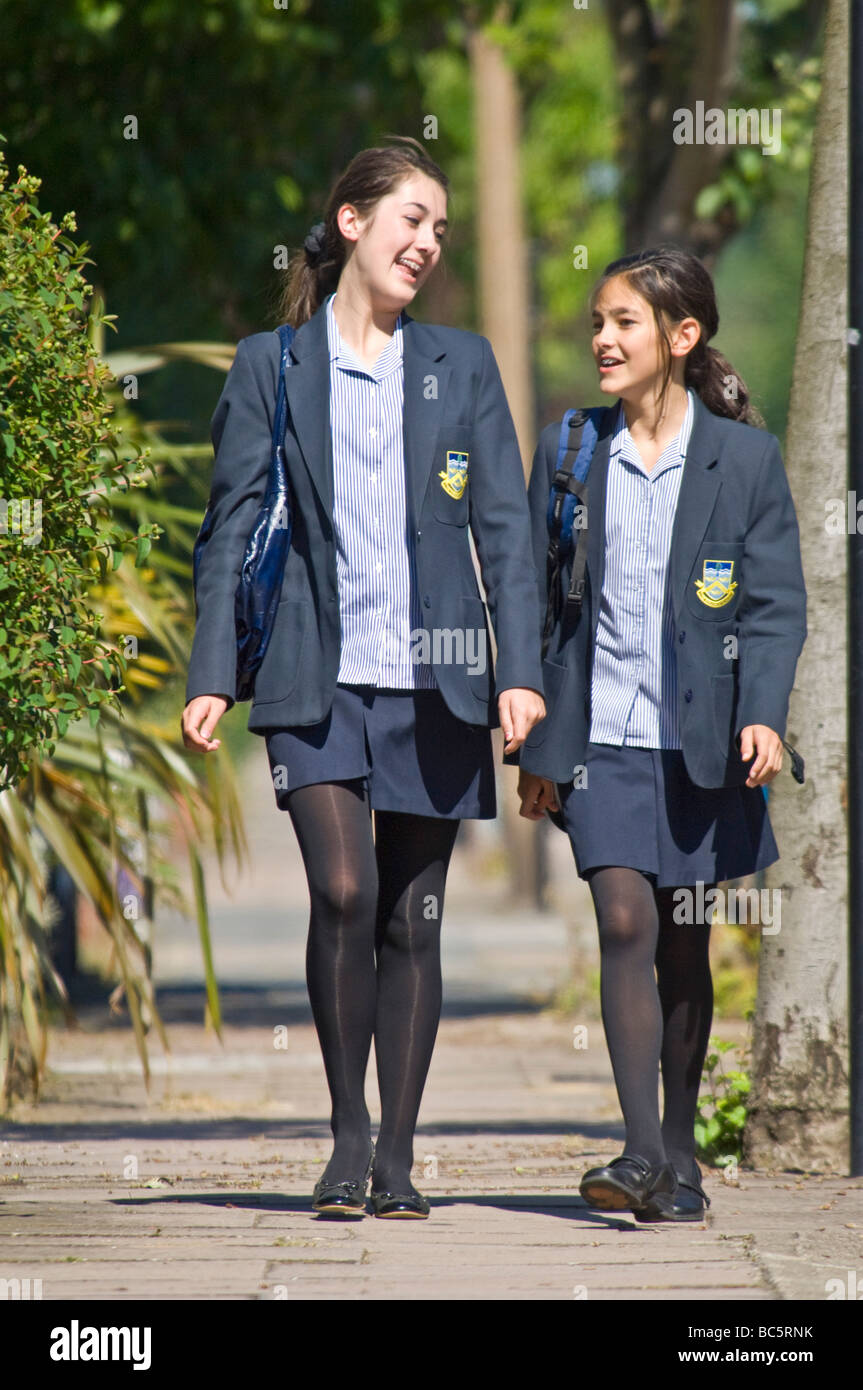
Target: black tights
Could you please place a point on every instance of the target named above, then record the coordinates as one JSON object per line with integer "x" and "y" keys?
{"x": 653, "y": 1019}
{"x": 373, "y": 965}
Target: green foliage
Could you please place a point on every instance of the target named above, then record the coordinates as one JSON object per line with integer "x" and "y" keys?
{"x": 735, "y": 952}
{"x": 197, "y": 138}
{"x": 721, "y": 1113}
{"x": 734, "y": 990}
{"x": 59, "y": 466}
{"x": 185, "y": 210}
{"x": 749, "y": 179}
{"x": 85, "y": 602}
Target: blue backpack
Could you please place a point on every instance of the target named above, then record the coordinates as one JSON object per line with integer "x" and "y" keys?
{"x": 566, "y": 507}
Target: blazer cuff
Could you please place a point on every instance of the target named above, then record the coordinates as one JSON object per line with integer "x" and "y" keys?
{"x": 196, "y": 688}
{"x": 505, "y": 678}
{"x": 775, "y": 719}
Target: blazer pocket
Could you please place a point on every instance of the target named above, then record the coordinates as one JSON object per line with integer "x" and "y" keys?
{"x": 714, "y": 586}
{"x": 451, "y": 474}
{"x": 477, "y": 647}
{"x": 280, "y": 668}
{"x": 723, "y": 690}
{"x": 554, "y": 680}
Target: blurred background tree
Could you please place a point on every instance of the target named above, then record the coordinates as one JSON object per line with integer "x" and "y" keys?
{"x": 242, "y": 114}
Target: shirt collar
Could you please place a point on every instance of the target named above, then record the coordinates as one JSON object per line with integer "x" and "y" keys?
{"x": 345, "y": 358}
{"x": 674, "y": 453}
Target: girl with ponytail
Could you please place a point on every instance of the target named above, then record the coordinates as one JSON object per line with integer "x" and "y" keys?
{"x": 377, "y": 694}
{"x": 667, "y": 694}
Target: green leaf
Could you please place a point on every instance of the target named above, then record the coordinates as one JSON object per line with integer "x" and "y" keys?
{"x": 709, "y": 201}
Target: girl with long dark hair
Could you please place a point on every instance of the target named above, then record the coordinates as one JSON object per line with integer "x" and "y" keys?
{"x": 376, "y": 695}
{"x": 667, "y": 695}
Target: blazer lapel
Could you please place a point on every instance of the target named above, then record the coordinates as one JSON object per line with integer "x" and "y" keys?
{"x": 426, "y": 380}
{"x": 699, "y": 488}
{"x": 307, "y": 382}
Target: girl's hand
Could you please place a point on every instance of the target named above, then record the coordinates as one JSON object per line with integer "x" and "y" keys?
{"x": 757, "y": 738}
{"x": 206, "y": 710}
{"x": 536, "y": 794}
{"x": 519, "y": 710}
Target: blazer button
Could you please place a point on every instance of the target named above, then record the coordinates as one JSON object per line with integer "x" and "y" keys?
{"x": 427, "y": 602}
{"x": 682, "y": 637}
{"x": 688, "y": 696}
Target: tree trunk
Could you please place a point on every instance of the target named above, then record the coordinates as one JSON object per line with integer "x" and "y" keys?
{"x": 799, "y": 1105}
{"x": 504, "y": 306}
{"x": 688, "y": 55}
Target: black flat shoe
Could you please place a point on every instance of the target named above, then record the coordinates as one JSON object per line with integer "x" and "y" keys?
{"x": 687, "y": 1203}
{"x": 407, "y": 1206}
{"x": 346, "y": 1198}
{"x": 627, "y": 1183}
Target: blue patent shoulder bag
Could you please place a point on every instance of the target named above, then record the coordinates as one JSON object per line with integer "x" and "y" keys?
{"x": 259, "y": 588}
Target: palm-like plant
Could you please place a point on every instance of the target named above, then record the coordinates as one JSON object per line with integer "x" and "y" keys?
{"x": 91, "y": 803}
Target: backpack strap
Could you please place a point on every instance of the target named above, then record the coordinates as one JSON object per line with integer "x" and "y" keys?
{"x": 568, "y": 493}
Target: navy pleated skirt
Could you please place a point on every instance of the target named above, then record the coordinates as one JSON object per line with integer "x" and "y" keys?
{"x": 640, "y": 809}
{"x": 411, "y": 751}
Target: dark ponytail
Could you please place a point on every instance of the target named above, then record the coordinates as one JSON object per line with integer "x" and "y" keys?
{"x": 372, "y": 174}
{"x": 677, "y": 286}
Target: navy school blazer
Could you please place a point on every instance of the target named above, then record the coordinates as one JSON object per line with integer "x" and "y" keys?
{"x": 454, "y": 405}
{"x": 735, "y": 508}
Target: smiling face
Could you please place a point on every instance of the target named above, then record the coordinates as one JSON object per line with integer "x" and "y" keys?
{"x": 397, "y": 246}
{"x": 626, "y": 346}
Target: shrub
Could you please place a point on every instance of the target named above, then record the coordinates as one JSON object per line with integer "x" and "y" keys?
{"x": 59, "y": 462}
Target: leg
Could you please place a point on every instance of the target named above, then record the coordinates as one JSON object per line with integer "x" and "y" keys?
{"x": 686, "y": 995}
{"x": 333, "y": 825}
{"x": 631, "y": 1014}
{"x": 413, "y": 854}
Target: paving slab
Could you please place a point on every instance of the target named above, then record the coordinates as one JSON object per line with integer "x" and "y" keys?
{"x": 199, "y": 1185}
{"x": 216, "y": 1201}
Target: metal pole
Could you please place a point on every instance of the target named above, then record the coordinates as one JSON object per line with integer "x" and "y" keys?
{"x": 855, "y": 587}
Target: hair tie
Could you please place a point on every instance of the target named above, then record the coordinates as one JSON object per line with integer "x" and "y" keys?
{"x": 315, "y": 242}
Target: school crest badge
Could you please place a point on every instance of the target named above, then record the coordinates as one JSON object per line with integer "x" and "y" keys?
{"x": 716, "y": 588}
{"x": 454, "y": 476}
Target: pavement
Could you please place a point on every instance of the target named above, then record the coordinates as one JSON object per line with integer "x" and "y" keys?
{"x": 200, "y": 1187}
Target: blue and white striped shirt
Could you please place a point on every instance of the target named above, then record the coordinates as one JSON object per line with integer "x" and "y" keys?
{"x": 375, "y": 554}
{"x": 634, "y": 682}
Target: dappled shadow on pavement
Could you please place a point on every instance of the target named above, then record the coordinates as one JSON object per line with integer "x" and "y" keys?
{"x": 277, "y": 1002}
{"x": 257, "y": 1127}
